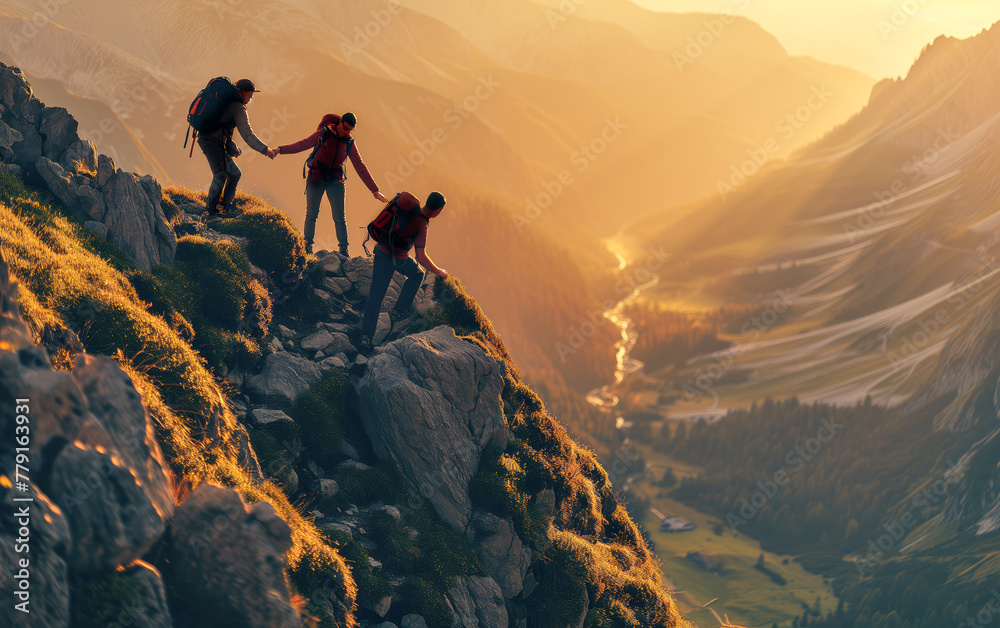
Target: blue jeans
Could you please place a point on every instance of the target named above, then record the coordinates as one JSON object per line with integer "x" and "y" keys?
{"x": 382, "y": 271}
{"x": 336, "y": 192}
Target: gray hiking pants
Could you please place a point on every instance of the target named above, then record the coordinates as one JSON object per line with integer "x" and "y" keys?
{"x": 384, "y": 267}
{"x": 225, "y": 173}
{"x": 337, "y": 193}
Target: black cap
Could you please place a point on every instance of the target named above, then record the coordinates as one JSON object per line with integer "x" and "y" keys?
{"x": 246, "y": 85}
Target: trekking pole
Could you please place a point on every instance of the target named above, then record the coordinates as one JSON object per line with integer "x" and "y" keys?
{"x": 364, "y": 245}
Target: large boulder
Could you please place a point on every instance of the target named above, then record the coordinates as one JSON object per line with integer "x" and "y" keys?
{"x": 58, "y": 129}
{"x": 478, "y": 603}
{"x": 117, "y": 405}
{"x": 284, "y": 376}
{"x": 79, "y": 158}
{"x": 9, "y": 136}
{"x": 110, "y": 517}
{"x": 97, "y": 405}
{"x": 27, "y": 151}
{"x": 329, "y": 344}
{"x": 504, "y": 555}
{"x": 227, "y": 562}
{"x": 434, "y": 397}
{"x": 73, "y": 190}
{"x": 108, "y": 474}
{"x": 16, "y": 96}
{"x": 48, "y": 548}
{"x": 135, "y": 224}
{"x": 149, "y": 608}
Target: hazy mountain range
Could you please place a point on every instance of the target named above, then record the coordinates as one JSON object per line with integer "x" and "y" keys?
{"x": 872, "y": 263}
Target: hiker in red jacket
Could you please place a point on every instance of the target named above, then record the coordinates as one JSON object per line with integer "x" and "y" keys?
{"x": 333, "y": 143}
{"x": 412, "y": 234}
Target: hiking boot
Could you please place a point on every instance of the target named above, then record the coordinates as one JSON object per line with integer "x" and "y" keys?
{"x": 365, "y": 346}
{"x": 395, "y": 316}
{"x": 309, "y": 248}
{"x": 231, "y": 211}
{"x": 343, "y": 251}
{"x": 399, "y": 323}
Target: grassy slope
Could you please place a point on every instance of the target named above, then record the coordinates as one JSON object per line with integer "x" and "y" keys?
{"x": 69, "y": 279}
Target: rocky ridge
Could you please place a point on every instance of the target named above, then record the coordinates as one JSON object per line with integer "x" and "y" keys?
{"x": 90, "y": 424}
{"x": 422, "y": 416}
{"x": 42, "y": 144}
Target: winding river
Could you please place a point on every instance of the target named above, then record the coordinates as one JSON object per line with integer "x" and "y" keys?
{"x": 606, "y": 397}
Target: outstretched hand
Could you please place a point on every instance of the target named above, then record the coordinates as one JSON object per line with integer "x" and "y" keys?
{"x": 272, "y": 153}
{"x": 380, "y": 197}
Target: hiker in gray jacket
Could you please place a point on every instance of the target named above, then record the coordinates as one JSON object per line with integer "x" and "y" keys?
{"x": 219, "y": 149}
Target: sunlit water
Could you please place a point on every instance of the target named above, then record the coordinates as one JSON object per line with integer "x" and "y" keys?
{"x": 606, "y": 397}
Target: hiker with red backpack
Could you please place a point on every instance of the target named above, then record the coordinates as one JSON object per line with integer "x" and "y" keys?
{"x": 216, "y": 112}
{"x": 400, "y": 226}
{"x": 332, "y": 144}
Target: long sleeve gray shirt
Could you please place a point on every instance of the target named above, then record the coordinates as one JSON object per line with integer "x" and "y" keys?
{"x": 235, "y": 117}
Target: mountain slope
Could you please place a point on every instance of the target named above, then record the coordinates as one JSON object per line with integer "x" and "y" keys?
{"x": 872, "y": 231}
{"x": 230, "y": 388}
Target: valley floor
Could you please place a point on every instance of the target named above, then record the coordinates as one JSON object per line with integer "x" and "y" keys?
{"x": 748, "y": 596}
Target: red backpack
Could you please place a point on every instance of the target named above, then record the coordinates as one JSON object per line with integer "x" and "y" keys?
{"x": 323, "y": 156}
{"x": 396, "y": 225}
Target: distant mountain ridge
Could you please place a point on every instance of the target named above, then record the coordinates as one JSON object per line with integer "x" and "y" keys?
{"x": 885, "y": 234}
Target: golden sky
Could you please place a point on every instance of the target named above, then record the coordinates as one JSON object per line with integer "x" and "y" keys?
{"x": 878, "y": 37}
